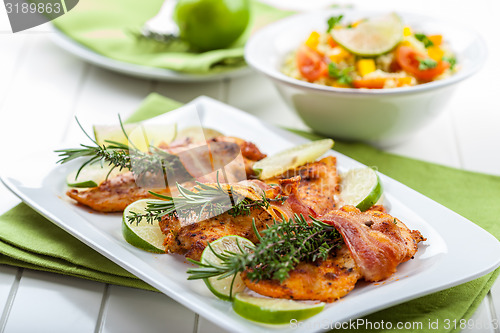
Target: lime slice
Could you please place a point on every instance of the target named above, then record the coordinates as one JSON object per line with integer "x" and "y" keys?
{"x": 143, "y": 235}
{"x": 371, "y": 37}
{"x": 361, "y": 188}
{"x": 91, "y": 176}
{"x": 222, "y": 287}
{"x": 274, "y": 310}
{"x": 157, "y": 134}
{"x": 113, "y": 133}
{"x": 197, "y": 134}
{"x": 141, "y": 136}
{"x": 291, "y": 158}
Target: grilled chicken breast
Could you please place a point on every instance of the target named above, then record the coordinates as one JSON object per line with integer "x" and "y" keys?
{"x": 114, "y": 194}
{"x": 310, "y": 191}
{"x": 323, "y": 280}
{"x": 233, "y": 156}
{"x": 375, "y": 243}
{"x": 191, "y": 237}
{"x": 319, "y": 184}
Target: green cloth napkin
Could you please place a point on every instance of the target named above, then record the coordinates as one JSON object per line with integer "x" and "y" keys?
{"x": 110, "y": 27}
{"x": 29, "y": 240}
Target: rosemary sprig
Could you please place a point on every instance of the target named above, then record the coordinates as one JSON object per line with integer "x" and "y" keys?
{"x": 202, "y": 202}
{"x": 119, "y": 155}
{"x": 281, "y": 247}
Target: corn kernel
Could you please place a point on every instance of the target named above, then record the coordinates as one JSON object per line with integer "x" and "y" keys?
{"x": 407, "y": 31}
{"x": 365, "y": 66}
{"x": 436, "y": 39}
{"x": 435, "y": 53}
{"x": 313, "y": 40}
{"x": 405, "y": 43}
{"x": 338, "y": 54}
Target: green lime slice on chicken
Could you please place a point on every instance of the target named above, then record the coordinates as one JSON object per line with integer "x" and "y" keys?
{"x": 361, "y": 188}
{"x": 143, "y": 235}
{"x": 291, "y": 158}
{"x": 227, "y": 287}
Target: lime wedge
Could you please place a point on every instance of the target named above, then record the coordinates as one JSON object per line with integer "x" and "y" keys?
{"x": 143, "y": 235}
{"x": 141, "y": 136}
{"x": 198, "y": 134}
{"x": 274, "y": 310}
{"x": 291, "y": 158}
{"x": 361, "y": 188}
{"x": 371, "y": 37}
{"x": 225, "y": 288}
{"x": 91, "y": 176}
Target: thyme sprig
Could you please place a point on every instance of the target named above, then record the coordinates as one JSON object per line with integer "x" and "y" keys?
{"x": 119, "y": 155}
{"x": 202, "y": 202}
{"x": 281, "y": 247}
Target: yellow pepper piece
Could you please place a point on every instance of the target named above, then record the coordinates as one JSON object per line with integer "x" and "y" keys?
{"x": 365, "y": 66}
{"x": 436, "y": 39}
{"x": 313, "y": 40}
{"x": 338, "y": 54}
{"x": 435, "y": 53}
{"x": 407, "y": 31}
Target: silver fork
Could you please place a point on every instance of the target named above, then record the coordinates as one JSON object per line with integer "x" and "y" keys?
{"x": 162, "y": 24}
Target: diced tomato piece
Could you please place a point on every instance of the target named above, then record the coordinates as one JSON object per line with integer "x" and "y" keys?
{"x": 331, "y": 41}
{"x": 311, "y": 64}
{"x": 408, "y": 59}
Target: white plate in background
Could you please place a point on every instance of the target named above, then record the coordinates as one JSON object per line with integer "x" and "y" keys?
{"x": 145, "y": 72}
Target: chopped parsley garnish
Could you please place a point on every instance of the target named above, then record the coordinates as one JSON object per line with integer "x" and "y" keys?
{"x": 333, "y": 21}
{"x": 342, "y": 75}
{"x": 425, "y": 64}
{"x": 451, "y": 60}
{"x": 424, "y": 39}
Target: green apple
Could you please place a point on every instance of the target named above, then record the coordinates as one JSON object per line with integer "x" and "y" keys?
{"x": 211, "y": 24}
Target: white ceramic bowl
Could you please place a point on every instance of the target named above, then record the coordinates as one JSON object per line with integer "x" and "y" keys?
{"x": 381, "y": 117}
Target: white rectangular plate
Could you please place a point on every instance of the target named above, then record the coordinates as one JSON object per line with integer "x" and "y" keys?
{"x": 456, "y": 249}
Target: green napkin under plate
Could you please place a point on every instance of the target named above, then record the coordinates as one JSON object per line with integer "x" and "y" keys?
{"x": 110, "y": 28}
{"x": 29, "y": 240}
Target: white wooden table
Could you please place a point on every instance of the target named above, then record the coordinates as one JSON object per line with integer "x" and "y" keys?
{"x": 42, "y": 88}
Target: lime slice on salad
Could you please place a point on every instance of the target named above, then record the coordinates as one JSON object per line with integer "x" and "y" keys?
{"x": 371, "y": 37}
{"x": 274, "y": 310}
{"x": 142, "y": 136}
{"x": 198, "y": 134}
{"x": 361, "y": 188}
{"x": 225, "y": 288}
{"x": 91, "y": 176}
{"x": 143, "y": 235}
{"x": 291, "y": 158}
